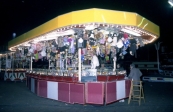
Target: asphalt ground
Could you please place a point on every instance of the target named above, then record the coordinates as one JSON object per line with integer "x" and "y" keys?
{"x": 16, "y": 97}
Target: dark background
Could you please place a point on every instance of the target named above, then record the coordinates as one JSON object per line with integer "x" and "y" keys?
{"x": 20, "y": 16}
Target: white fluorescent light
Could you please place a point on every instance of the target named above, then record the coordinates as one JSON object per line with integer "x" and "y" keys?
{"x": 11, "y": 49}
{"x": 48, "y": 37}
{"x": 130, "y": 32}
{"x": 154, "y": 37}
{"x": 90, "y": 27}
{"x": 170, "y": 2}
{"x": 26, "y": 44}
{"x": 67, "y": 32}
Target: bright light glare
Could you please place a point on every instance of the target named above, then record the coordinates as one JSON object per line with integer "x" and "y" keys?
{"x": 170, "y": 2}
{"x": 130, "y": 32}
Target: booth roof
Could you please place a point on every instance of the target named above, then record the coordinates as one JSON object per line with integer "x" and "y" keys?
{"x": 93, "y": 15}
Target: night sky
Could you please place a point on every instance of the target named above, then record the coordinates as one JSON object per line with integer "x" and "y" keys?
{"x": 20, "y": 16}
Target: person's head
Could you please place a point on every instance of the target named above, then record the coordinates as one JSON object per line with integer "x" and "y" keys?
{"x": 132, "y": 66}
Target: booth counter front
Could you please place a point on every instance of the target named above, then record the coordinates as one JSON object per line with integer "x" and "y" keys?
{"x": 105, "y": 90}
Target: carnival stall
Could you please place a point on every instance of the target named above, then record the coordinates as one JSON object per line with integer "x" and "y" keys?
{"x": 11, "y": 68}
{"x": 77, "y": 53}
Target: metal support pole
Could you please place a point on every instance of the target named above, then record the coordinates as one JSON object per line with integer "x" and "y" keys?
{"x": 158, "y": 58}
{"x": 31, "y": 64}
{"x": 114, "y": 64}
{"x": 0, "y": 63}
{"x": 79, "y": 64}
{"x": 49, "y": 64}
{"x": 5, "y": 66}
{"x": 12, "y": 63}
{"x": 66, "y": 59}
{"x": 157, "y": 46}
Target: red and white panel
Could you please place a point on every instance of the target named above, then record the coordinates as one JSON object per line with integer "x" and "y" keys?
{"x": 77, "y": 93}
{"x": 64, "y": 92}
{"x": 128, "y": 85}
{"x": 95, "y": 92}
{"x": 33, "y": 85}
{"x": 116, "y": 90}
{"x": 120, "y": 89}
{"x": 110, "y": 92}
{"x": 52, "y": 90}
{"x": 42, "y": 88}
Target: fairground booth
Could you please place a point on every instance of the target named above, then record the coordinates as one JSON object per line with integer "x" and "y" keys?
{"x": 72, "y": 58}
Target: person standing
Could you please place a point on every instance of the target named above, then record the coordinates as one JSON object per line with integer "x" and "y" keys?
{"x": 135, "y": 74}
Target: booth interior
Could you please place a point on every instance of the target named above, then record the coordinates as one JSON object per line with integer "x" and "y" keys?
{"x": 101, "y": 46}
{"x": 77, "y": 63}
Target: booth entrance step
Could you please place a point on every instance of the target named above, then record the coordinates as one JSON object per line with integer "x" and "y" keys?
{"x": 136, "y": 92}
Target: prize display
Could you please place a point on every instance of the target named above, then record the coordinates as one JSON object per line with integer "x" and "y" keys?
{"x": 73, "y": 57}
{"x": 99, "y": 46}
{"x": 82, "y": 46}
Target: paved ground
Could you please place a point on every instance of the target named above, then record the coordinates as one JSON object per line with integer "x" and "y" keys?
{"x": 16, "y": 97}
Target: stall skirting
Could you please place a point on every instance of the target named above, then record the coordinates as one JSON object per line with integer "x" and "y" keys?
{"x": 82, "y": 93}
{"x": 14, "y": 76}
{"x": 95, "y": 92}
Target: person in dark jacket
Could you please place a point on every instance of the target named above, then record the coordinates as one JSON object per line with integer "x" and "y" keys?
{"x": 135, "y": 74}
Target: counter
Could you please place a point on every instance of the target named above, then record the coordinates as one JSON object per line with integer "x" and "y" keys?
{"x": 105, "y": 90}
